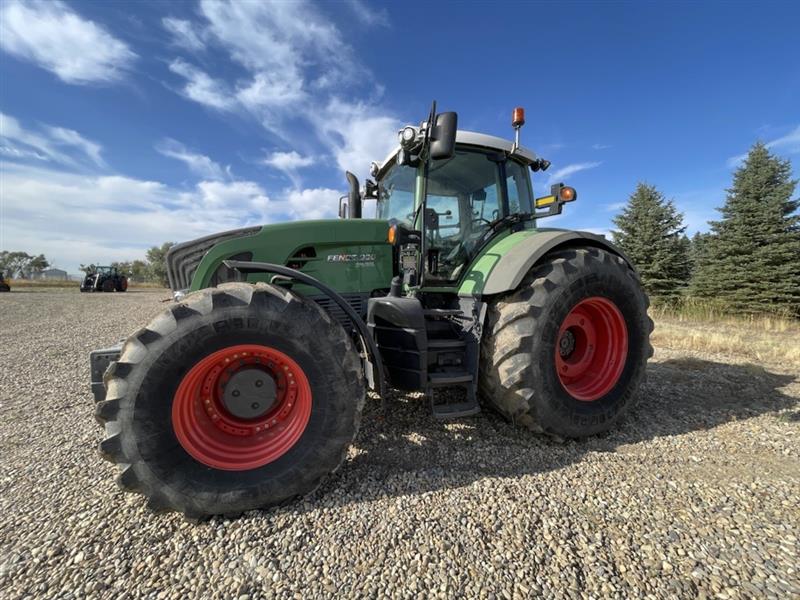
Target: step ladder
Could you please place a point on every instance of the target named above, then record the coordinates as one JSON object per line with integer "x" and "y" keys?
{"x": 451, "y": 386}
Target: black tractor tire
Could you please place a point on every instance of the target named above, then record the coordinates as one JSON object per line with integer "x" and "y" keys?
{"x": 121, "y": 284}
{"x": 519, "y": 374}
{"x": 142, "y": 386}
{"x": 107, "y": 285}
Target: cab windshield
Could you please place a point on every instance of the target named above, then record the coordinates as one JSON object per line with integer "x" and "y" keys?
{"x": 465, "y": 194}
{"x": 396, "y": 194}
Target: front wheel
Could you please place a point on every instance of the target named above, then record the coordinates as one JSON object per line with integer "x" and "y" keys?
{"x": 566, "y": 352}
{"x": 239, "y": 397}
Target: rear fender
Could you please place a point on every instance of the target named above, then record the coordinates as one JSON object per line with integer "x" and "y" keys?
{"x": 504, "y": 265}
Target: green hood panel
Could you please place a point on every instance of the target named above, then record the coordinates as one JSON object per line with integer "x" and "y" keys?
{"x": 350, "y": 255}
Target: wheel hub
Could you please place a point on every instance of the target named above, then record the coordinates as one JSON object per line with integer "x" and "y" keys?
{"x": 592, "y": 348}
{"x": 566, "y": 345}
{"x": 241, "y": 407}
{"x": 249, "y": 393}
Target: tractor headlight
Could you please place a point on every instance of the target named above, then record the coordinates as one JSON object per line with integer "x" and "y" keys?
{"x": 179, "y": 295}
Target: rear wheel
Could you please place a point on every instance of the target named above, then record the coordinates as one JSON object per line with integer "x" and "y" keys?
{"x": 566, "y": 352}
{"x": 122, "y": 284}
{"x": 237, "y": 398}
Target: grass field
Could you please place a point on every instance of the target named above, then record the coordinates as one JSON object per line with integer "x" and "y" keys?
{"x": 61, "y": 284}
{"x": 706, "y": 328}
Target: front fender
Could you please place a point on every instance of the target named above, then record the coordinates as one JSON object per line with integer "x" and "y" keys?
{"x": 501, "y": 267}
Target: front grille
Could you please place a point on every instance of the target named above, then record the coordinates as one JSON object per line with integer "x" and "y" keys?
{"x": 183, "y": 259}
{"x": 356, "y": 300}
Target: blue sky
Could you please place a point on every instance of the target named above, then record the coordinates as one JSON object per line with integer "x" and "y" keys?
{"x": 126, "y": 124}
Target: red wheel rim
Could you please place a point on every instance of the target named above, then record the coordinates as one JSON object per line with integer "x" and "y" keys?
{"x": 216, "y": 437}
{"x": 591, "y": 349}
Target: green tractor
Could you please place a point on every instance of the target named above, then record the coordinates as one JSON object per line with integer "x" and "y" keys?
{"x": 248, "y": 391}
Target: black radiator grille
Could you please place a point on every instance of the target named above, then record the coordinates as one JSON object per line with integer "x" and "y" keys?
{"x": 356, "y": 300}
{"x": 183, "y": 259}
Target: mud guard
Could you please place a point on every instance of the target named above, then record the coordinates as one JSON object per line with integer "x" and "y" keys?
{"x": 512, "y": 266}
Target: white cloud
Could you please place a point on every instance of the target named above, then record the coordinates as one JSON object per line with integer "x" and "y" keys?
{"x": 600, "y": 146}
{"x": 70, "y": 137}
{"x": 787, "y": 144}
{"x": 51, "y": 212}
{"x": 290, "y": 41}
{"x": 202, "y": 88}
{"x": 54, "y": 144}
{"x": 316, "y": 203}
{"x": 368, "y": 14}
{"x": 356, "y": 134}
{"x": 267, "y": 91}
{"x": 293, "y": 57}
{"x": 615, "y": 206}
{"x": 567, "y": 171}
{"x": 198, "y": 163}
{"x": 183, "y": 34}
{"x": 288, "y": 161}
{"x": 56, "y": 38}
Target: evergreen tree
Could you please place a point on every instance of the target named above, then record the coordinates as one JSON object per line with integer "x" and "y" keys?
{"x": 698, "y": 250}
{"x": 752, "y": 260}
{"x": 650, "y": 232}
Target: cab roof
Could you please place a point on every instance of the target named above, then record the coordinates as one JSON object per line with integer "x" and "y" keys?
{"x": 472, "y": 138}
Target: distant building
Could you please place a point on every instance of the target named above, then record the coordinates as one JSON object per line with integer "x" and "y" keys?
{"x": 52, "y": 274}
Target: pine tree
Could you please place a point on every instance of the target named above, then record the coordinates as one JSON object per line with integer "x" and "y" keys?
{"x": 751, "y": 261}
{"x": 698, "y": 250}
{"x": 650, "y": 232}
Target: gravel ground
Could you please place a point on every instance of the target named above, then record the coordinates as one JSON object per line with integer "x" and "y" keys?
{"x": 697, "y": 494}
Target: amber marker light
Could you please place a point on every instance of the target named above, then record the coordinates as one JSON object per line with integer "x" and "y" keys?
{"x": 518, "y": 117}
{"x": 567, "y": 194}
{"x": 391, "y": 237}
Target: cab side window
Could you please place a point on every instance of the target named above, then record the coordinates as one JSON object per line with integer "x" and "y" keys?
{"x": 518, "y": 184}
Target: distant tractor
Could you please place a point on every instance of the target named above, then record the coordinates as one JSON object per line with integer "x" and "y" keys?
{"x": 248, "y": 391}
{"x": 104, "y": 279}
{"x": 4, "y": 286}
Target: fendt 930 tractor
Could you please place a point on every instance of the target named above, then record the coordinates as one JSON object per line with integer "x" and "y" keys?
{"x": 249, "y": 389}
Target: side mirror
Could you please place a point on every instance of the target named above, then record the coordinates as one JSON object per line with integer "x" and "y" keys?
{"x": 443, "y": 136}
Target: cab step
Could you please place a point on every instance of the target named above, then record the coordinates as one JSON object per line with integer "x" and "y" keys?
{"x": 458, "y": 383}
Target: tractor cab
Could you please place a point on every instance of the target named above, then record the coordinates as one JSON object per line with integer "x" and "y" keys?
{"x": 466, "y": 195}
{"x": 450, "y": 192}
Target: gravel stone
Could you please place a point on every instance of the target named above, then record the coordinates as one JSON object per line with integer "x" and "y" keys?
{"x": 694, "y": 495}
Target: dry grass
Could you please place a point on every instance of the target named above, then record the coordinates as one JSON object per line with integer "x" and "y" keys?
{"x": 60, "y": 283}
{"x": 707, "y": 328}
